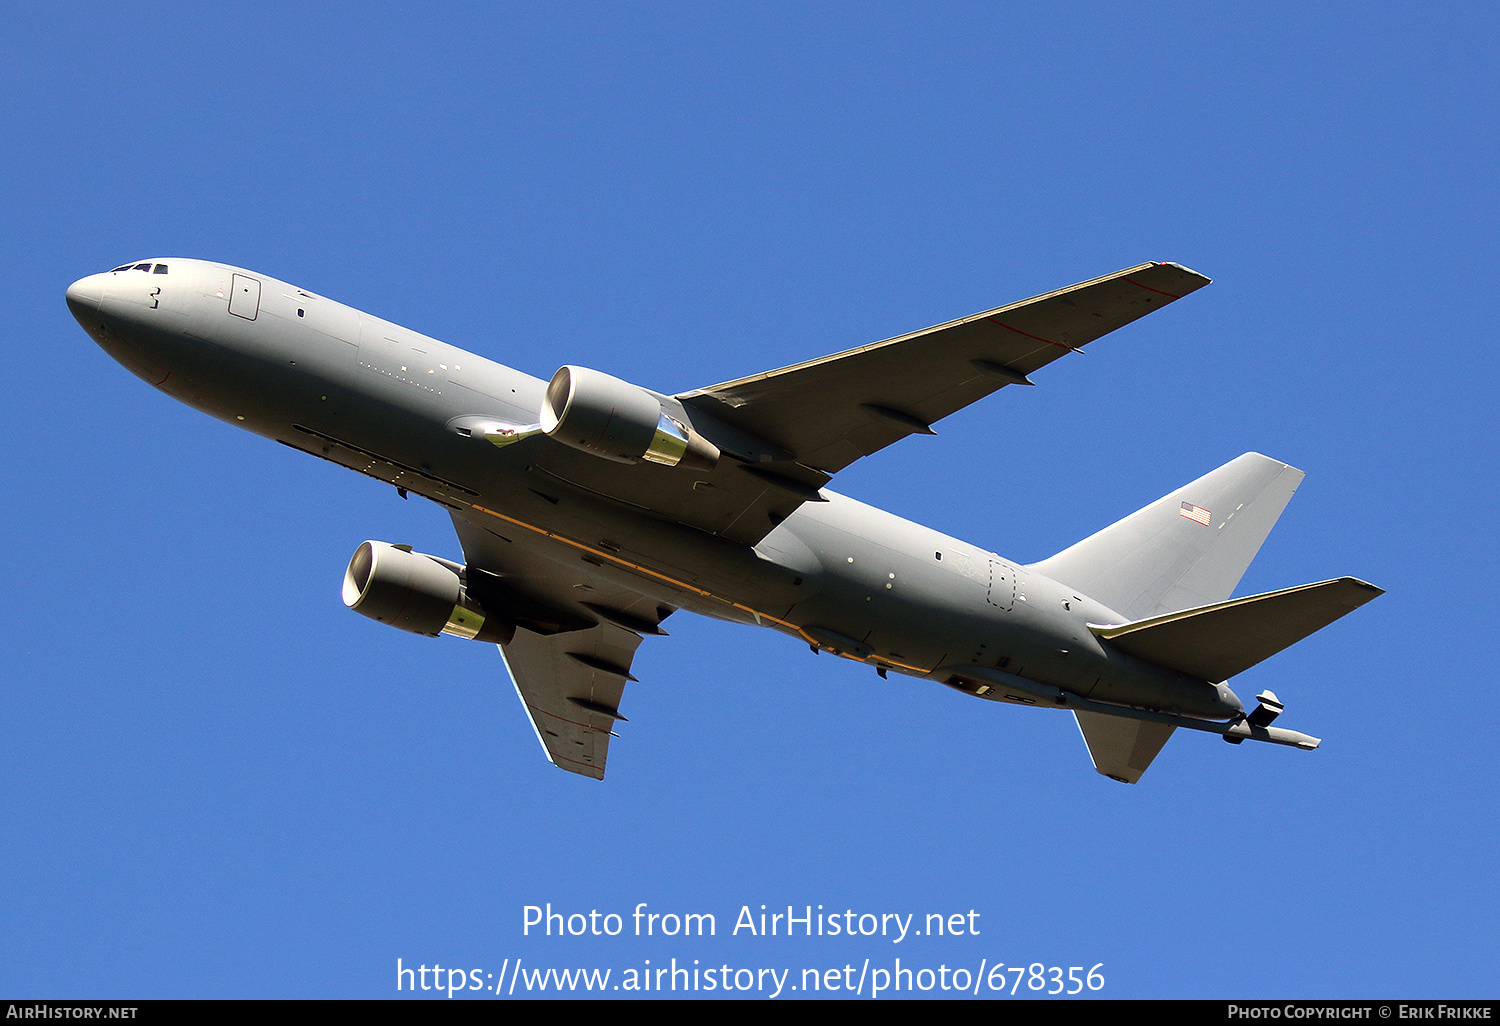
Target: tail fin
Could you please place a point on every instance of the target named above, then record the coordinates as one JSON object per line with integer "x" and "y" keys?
{"x": 1186, "y": 549}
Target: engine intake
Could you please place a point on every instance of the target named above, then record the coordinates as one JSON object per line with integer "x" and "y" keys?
{"x": 417, "y": 593}
{"x": 602, "y": 415}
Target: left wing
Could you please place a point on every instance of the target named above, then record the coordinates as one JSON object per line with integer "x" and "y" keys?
{"x": 815, "y": 418}
{"x": 830, "y": 412}
{"x": 571, "y": 655}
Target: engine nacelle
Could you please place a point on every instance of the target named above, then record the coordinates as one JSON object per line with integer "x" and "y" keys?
{"x": 604, "y": 416}
{"x": 417, "y": 593}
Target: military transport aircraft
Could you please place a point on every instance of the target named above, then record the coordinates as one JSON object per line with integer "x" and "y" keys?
{"x": 590, "y": 509}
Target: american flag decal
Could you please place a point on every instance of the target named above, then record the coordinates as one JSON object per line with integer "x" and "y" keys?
{"x": 1196, "y": 514}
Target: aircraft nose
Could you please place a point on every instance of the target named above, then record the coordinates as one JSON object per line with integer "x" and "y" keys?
{"x": 85, "y": 294}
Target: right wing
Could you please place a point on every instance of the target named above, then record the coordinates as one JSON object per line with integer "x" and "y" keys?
{"x": 571, "y": 653}
{"x": 571, "y": 685}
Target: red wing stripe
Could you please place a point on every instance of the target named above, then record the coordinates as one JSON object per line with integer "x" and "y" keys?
{"x": 575, "y": 723}
{"x": 1148, "y": 288}
{"x": 1018, "y": 331}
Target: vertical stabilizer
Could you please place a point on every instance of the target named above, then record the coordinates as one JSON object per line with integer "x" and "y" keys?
{"x": 1187, "y": 549}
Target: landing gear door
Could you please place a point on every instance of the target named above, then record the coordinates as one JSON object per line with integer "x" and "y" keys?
{"x": 244, "y": 297}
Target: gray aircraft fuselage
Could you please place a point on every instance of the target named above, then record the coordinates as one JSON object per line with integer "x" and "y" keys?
{"x": 840, "y": 575}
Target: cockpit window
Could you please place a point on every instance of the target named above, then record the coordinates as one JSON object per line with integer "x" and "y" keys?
{"x": 142, "y": 267}
{"x": 125, "y": 268}
{"x": 161, "y": 268}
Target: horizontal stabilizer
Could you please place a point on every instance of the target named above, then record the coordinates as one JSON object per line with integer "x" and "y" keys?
{"x": 1216, "y": 642}
{"x": 1122, "y": 749}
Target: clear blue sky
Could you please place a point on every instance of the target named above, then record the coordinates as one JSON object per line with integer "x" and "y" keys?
{"x": 216, "y": 781}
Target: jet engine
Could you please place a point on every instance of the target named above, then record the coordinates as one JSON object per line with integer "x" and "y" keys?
{"x": 602, "y": 415}
{"x": 417, "y": 593}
